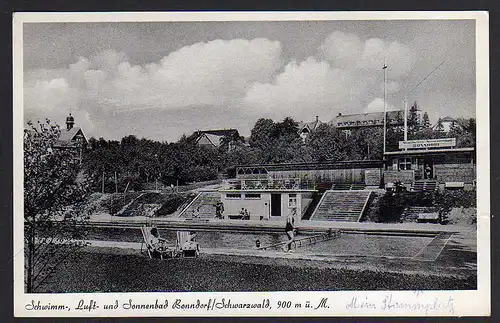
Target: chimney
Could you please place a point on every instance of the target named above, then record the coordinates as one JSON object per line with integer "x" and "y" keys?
{"x": 70, "y": 121}
{"x": 340, "y": 114}
{"x": 317, "y": 118}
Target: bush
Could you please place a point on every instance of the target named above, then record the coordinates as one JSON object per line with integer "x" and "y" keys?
{"x": 199, "y": 174}
{"x": 392, "y": 205}
{"x": 458, "y": 198}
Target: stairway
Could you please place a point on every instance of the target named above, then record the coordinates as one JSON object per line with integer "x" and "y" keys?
{"x": 345, "y": 206}
{"x": 424, "y": 185}
{"x": 312, "y": 206}
{"x": 205, "y": 202}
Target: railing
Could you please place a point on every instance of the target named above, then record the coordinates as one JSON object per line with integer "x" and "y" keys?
{"x": 269, "y": 183}
{"x": 189, "y": 205}
{"x": 329, "y": 235}
{"x": 404, "y": 176}
{"x": 365, "y": 205}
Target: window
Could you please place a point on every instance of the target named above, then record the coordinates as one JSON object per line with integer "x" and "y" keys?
{"x": 252, "y": 196}
{"x": 233, "y": 196}
{"x": 405, "y": 164}
{"x": 292, "y": 200}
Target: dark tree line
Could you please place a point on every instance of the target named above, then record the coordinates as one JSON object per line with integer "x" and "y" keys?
{"x": 140, "y": 161}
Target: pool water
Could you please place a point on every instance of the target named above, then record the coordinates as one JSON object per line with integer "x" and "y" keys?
{"x": 370, "y": 245}
{"x": 346, "y": 244}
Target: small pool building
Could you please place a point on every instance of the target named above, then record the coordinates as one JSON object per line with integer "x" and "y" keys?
{"x": 266, "y": 199}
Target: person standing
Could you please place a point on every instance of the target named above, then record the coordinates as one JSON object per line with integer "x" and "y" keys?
{"x": 289, "y": 229}
{"x": 219, "y": 209}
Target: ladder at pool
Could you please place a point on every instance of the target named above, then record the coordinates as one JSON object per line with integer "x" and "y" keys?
{"x": 305, "y": 241}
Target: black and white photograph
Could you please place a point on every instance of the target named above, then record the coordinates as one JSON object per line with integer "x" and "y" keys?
{"x": 251, "y": 163}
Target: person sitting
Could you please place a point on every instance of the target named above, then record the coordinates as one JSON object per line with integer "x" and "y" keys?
{"x": 257, "y": 244}
{"x": 196, "y": 212}
{"x": 242, "y": 213}
{"x": 246, "y": 215}
{"x": 190, "y": 245}
{"x": 158, "y": 244}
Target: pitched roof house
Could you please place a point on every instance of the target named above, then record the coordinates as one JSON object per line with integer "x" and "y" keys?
{"x": 212, "y": 138}
{"x": 305, "y": 128}
{"x": 71, "y": 137}
{"x": 447, "y": 123}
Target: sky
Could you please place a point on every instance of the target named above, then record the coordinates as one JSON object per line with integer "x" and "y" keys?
{"x": 159, "y": 80}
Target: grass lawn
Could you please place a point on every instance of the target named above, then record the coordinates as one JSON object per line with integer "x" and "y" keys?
{"x": 126, "y": 272}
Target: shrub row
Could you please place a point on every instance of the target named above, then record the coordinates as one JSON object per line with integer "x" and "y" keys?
{"x": 392, "y": 205}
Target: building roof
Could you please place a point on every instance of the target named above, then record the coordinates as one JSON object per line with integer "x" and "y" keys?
{"x": 67, "y": 136}
{"x": 310, "y": 126}
{"x": 367, "y": 119}
{"x": 212, "y": 137}
{"x": 208, "y": 139}
{"x": 447, "y": 119}
{"x": 221, "y": 132}
{"x": 457, "y": 122}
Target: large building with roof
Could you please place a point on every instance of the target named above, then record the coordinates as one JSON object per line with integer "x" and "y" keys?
{"x": 348, "y": 122}
{"x": 373, "y": 119}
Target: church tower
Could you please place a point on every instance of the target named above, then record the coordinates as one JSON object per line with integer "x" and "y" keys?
{"x": 70, "y": 121}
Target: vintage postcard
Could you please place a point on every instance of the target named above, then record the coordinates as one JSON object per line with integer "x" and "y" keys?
{"x": 251, "y": 164}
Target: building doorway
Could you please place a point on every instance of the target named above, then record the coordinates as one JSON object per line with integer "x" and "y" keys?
{"x": 275, "y": 204}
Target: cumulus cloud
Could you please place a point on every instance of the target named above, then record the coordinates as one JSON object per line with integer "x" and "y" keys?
{"x": 348, "y": 51}
{"x": 345, "y": 76}
{"x": 301, "y": 88}
{"x": 217, "y": 72}
{"x": 377, "y": 105}
{"x": 246, "y": 78}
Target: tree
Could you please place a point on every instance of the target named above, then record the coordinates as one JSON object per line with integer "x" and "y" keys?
{"x": 426, "y": 124}
{"x": 275, "y": 142}
{"x": 327, "y": 144}
{"x": 439, "y": 126}
{"x": 261, "y": 137}
{"x": 413, "y": 120}
{"x": 54, "y": 191}
{"x": 464, "y": 131}
{"x": 365, "y": 143}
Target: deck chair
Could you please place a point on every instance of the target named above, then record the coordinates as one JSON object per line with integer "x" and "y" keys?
{"x": 187, "y": 247}
{"x": 155, "y": 251}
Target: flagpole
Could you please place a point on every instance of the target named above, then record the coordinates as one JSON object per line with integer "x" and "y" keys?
{"x": 406, "y": 117}
{"x": 385, "y": 103}
{"x": 409, "y": 92}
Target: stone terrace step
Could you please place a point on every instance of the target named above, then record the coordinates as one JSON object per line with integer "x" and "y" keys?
{"x": 205, "y": 203}
{"x": 341, "y": 206}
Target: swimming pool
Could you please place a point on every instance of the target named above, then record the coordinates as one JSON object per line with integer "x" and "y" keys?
{"x": 345, "y": 245}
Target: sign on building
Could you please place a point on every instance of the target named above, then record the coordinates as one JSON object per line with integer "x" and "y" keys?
{"x": 428, "y": 143}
